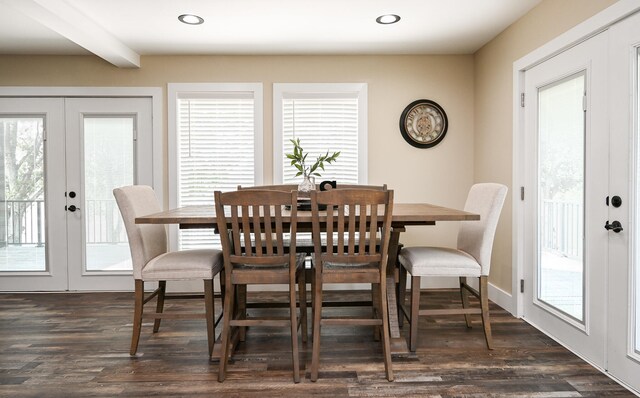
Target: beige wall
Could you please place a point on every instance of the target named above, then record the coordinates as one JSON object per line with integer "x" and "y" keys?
{"x": 475, "y": 91}
{"x": 440, "y": 175}
{"x": 494, "y": 99}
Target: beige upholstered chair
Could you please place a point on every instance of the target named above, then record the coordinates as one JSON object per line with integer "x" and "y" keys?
{"x": 471, "y": 258}
{"x": 252, "y": 229}
{"x": 354, "y": 218}
{"x": 152, "y": 262}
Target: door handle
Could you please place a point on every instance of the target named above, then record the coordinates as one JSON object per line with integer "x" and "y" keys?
{"x": 72, "y": 208}
{"x": 615, "y": 226}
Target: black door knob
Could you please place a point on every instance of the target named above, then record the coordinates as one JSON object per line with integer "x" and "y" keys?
{"x": 73, "y": 208}
{"x": 615, "y": 226}
{"x": 616, "y": 201}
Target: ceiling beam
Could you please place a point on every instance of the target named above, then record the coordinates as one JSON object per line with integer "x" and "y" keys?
{"x": 71, "y": 23}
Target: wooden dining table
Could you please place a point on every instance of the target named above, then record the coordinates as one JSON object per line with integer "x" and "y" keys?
{"x": 404, "y": 214}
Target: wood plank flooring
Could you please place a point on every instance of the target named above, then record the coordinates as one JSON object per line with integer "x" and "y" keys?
{"x": 76, "y": 345}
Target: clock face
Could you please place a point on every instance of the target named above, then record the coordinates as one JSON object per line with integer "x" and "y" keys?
{"x": 423, "y": 123}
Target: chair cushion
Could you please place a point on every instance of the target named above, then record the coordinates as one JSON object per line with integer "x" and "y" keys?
{"x": 184, "y": 264}
{"x": 438, "y": 261}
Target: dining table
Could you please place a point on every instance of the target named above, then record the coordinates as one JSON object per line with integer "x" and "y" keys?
{"x": 404, "y": 214}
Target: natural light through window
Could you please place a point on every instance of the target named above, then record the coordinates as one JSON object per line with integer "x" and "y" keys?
{"x": 326, "y": 118}
{"x": 108, "y": 163}
{"x": 216, "y": 148}
{"x": 22, "y": 208}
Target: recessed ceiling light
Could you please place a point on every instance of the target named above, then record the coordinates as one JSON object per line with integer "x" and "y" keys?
{"x": 387, "y": 19}
{"x": 191, "y": 19}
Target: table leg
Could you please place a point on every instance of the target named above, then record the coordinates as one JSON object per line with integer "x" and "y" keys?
{"x": 398, "y": 343}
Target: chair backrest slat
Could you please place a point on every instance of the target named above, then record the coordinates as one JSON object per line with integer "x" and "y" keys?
{"x": 257, "y": 230}
{"x": 373, "y": 228}
{"x": 362, "y": 233}
{"x": 280, "y": 228}
{"x": 268, "y": 232}
{"x": 341, "y": 213}
{"x": 235, "y": 228}
{"x": 351, "y": 229}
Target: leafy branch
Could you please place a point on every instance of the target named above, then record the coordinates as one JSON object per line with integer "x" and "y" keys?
{"x": 299, "y": 159}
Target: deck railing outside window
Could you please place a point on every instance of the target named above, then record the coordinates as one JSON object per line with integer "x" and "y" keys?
{"x": 561, "y": 228}
{"x": 25, "y": 222}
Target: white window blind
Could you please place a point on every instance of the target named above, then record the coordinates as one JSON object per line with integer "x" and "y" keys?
{"x": 322, "y": 124}
{"x": 215, "y": 139}
{"x": 325, "y": 117}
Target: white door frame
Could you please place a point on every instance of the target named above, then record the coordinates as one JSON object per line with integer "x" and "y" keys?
{"x": 153, "y": 93}
{"x": 576, "y": 35}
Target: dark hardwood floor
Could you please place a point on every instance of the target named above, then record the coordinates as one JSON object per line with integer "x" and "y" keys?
{"x": 76, "y": 345}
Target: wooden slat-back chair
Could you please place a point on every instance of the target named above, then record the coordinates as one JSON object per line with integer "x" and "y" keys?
{"x": 304, "y": 242}
{"x": 358, "y": 216}
{"x": 252, "y": 230}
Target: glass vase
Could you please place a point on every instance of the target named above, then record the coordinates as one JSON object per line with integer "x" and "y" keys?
{"x": 308, "y": 183}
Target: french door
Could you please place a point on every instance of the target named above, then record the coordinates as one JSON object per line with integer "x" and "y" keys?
{"x": 623, "y": 340}
{"x": 582, "y": 259}
{"x": 567, "y": 167}
{"x": 62, "y": 157}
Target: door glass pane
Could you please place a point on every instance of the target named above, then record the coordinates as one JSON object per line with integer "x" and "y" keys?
{"x": 108, "y": 163}
{"x": 22, "y": 210}
{"x": 561, "y": 195}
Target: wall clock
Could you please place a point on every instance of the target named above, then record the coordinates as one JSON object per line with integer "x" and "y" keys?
{"x": 423, "y": 123}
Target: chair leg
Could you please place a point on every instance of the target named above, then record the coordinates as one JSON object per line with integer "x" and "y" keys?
{"x": 464, "y": 295}
{"x": 313, "y": 307}
{"x": 384, "y": 311}
{"x": 302, "y": 291}
{"x": 225, "y": 340}
{"x": 401, "y": 293}
{"x": 415, "y": 308}
{"x": 162, "y": 288}
{"x": 375, "y": 307}
{"x": 137, "y": 316}
{"x": 210, "y": 314}
{"x": 317, "y": 315}
{"x": 222, "y": 282}
{"x": 241, "y": 291}
{"x": 293, "y": 310}
{"x": 484, "y": 303}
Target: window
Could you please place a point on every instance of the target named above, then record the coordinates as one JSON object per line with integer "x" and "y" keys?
{"x": 325, "y": 117}
{"x": 215, "y": 143}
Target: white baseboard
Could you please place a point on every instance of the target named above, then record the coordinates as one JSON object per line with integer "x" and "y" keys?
{"x": 502, "y": 298}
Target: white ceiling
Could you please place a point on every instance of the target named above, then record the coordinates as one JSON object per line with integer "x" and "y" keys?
{"x": 121, "y": 30}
